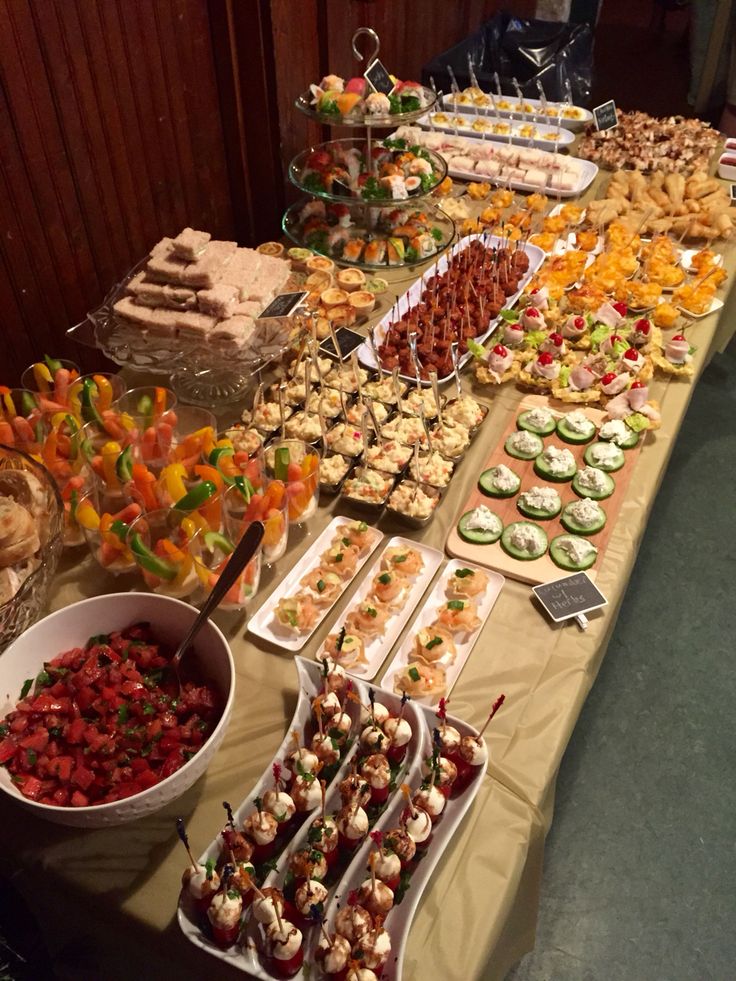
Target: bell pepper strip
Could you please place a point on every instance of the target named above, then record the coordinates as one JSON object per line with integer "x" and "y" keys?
{"x": 110, "y": 453}
{"x": 124, "y": 465}
{"x": 104, "y": 392}
{"x": 88, "y": 406}
{"x": 172, "y": 478}
{"x": 7, "y": 436}
{"x": 145, "y": 409}
{"x": 28, "y": 404}
{"x": 8, "y": 404}
{"x": 53, "y": 364}
{"x": 86, "y": 516}
{"x": 216, "y": 540}
{"x": 151, "y": 562}
{"x": 42, "y": 376}
{"x": 197, "y": 496}
{"x": 159, "y": 401}
{"x": 245, "y": 487}
{"x": 281, "y": 463}
{"x": 210, "y": 473}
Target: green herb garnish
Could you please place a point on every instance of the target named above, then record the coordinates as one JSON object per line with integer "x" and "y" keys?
{"x": 43, "y": 679}
{"x": 456, "y": 605}
{"x": 464, "y": 573}
{"x": 123, "y": 714}
{"x": 384, "y": 579}
{"x": 434, "y": 642}
{"x": 31, "y": 756}
{"x": 371, "y": 612}
{"x": 413, "y": 674}
{"x": 148, "y": 709}
{"x": 320, "y": 585}
{"x": 26, "y": 687}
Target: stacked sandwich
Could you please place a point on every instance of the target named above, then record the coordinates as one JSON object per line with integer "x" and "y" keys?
{"x": 203, "y": 290}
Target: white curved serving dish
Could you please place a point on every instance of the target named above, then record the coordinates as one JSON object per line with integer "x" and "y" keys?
{"x": 71, "y": 627}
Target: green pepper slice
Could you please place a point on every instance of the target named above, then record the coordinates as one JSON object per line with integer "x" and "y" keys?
{"x": 150, "y": 561}
{"x": 281, "y": 463}
{"x": 196, "y": 497}
{"x": 89, "y": 409}
{"x": 53, "y": 364}
{"x": 215, "y": 539}
{"x": 124, "y": 465}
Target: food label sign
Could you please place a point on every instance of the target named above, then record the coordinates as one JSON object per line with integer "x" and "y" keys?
{"x": 605, "y": 116}
{"x": 378, "y": 78}
{"x": 284, "y": 305}
{"x": 733, "y": 194}
{"x": 570, "y": 596}
{"x": 347, "y": 341}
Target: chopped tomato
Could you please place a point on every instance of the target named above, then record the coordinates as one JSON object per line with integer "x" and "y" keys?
{"x": 97, "y": 727}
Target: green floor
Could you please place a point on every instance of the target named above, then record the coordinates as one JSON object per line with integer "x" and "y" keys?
{"x": 640, "y": 869}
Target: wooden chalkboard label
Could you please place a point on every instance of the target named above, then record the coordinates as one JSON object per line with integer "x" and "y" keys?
{"x": 605, "y": 116}
{"x": 569, "y": 596}
{"x": 340, "y": 187}
{"x": 284, "y": 305}
{"x": 347, "y": 341}
{"x": 378, "y": 78}
{"x": 733, "y": 194}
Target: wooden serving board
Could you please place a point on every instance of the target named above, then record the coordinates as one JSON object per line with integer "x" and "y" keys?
{"x": 540, "y": 570}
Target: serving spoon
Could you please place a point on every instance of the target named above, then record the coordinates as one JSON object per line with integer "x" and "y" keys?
{"x": 244, "y": 552}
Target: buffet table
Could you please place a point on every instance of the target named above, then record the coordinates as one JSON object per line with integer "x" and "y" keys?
{"x": 107, "y": 898}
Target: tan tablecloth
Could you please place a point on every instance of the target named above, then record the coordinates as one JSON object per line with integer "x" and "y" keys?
{"x": 118, "y": 888}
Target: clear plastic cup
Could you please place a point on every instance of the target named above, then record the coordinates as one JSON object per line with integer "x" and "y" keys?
{"x": 210, "y": 561}
{"x": 270, "y": 506}
{"x": 105, "y": 519}
{"x": 297, "y": 464}
{"x": 164, "y": 544}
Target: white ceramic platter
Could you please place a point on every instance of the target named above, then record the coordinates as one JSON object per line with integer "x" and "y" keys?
{"x": 545, "y": 137}
{"x": 264, "y": 624}
{"x": 399, "y": 919}
{"x": 377, "y": 648}
{"x": 464, "y": 642}
{"x": 409, "y": 770}
{"x": 575, "y": 125}
{"x": 310, "y": 685}
{"x": 414, "y": 293}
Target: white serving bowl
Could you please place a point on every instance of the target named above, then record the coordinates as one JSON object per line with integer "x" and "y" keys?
{"x": 72, "y": 627}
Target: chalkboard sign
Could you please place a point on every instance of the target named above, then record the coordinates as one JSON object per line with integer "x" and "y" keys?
{"x": 733, "y": 194}
{"x": 347, "y": 341}
{"x": 284, "y": 305}
{"x": 340, "y": 187}
{"x": 569, "y": 596}
{"x": 605, "y": 116}
{"x": 378, "y": 78}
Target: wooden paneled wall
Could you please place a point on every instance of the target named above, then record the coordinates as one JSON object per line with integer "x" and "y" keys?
{"x": 110, "y": 137}
{"x": 124, "y": 120}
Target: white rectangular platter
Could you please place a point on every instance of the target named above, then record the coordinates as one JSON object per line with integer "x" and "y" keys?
{"x": 546, "y": 137}
{"x": 464, "y": 642}
{"x": 583, "y": 117}
{"x": 264, "y": 624}
{"x": 414, "y": 293}
{"x": 377, "y": 648}
{"x": 509, "y": 160}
